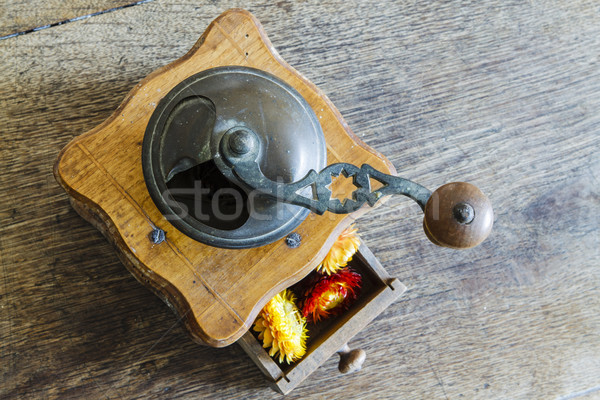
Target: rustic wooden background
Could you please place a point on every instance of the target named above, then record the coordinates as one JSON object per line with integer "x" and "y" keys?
{"x": 503, "y": 94}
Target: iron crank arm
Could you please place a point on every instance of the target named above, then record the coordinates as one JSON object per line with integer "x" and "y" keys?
{"x": 457, "y": 215}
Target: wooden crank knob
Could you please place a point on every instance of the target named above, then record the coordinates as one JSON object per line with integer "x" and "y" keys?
{"x": 458, "y": 215}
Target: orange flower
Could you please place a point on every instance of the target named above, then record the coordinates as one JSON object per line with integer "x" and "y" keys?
{"x": 331, "y": 295}
{"x": 282, "y": 328}
{"x": 341, "y": 252}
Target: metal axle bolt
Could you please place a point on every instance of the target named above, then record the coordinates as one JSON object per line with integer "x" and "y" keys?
{"x": 241, "y": 142}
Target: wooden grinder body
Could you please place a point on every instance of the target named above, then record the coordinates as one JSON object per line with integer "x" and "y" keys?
{"x": 217, "y": 292}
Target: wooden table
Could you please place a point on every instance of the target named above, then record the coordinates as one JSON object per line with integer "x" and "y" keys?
{"x": 504, "y": 95}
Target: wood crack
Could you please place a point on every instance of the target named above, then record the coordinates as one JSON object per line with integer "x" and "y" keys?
{"x": 74, "y": 19}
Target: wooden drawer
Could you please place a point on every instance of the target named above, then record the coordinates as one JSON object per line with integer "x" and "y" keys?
{"x": 379, "y": 290}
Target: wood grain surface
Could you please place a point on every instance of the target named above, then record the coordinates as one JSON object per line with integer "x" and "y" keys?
{"x": 502, "y": 94}
{"x": 20, "y": 17}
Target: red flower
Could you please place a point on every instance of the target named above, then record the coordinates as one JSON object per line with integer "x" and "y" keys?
{"x": 331, "y": 294}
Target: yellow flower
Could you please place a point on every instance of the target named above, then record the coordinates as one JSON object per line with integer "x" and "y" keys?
{"x": 282, "y": 328}
{"x": 341, "y": 252}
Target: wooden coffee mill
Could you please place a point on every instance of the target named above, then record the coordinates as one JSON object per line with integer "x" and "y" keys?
{"x": 266, "y": 144}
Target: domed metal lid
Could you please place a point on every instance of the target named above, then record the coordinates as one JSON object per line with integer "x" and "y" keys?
{"x": 184, "y": 171}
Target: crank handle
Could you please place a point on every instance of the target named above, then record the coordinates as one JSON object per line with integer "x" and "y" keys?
{"x": 457, "y": 215}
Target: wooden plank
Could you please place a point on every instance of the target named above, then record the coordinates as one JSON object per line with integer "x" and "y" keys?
{"x": 18, "y": 17}
{"x": 501, "y": 94}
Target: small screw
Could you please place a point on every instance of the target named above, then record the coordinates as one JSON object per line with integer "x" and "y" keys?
{"x": 293, "y": 240}
{"x": 157, "y": 236}
{"x": 463, "y": 213}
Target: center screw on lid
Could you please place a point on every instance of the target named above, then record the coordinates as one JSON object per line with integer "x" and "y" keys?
{"x": 242, "y": 141}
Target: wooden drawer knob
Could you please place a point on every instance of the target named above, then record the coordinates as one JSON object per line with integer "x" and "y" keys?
{"x": 350, "y": 360}
{"x": 458, "y": 215}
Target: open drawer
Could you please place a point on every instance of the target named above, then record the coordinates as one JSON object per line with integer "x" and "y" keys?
{"x": 379, "y": 290}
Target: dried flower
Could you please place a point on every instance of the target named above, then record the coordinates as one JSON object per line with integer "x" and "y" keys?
{"x": 282, "y": 328}
{"x": 341, "y": 252}
{"x": 331, "y": 294}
